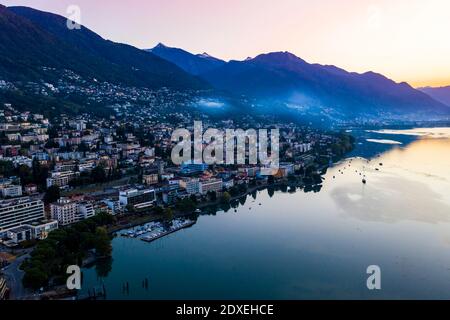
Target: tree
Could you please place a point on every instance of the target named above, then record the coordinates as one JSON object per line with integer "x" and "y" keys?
{"x": 102, "y": 218}
{"x": 66, "y": 247}
{"x": 51, "y": 144}
{"x": 103, "y": 267}
{"x": 52, "y": 195}
{"x": 271, "y": 191}
{"x": 212, "y": 195}
{"x": 185, "y": 205}
{"x": 234, "y": 191}
{"x": 25, "y": 174}
{"x": 83, "y": 147}
{"x": 98, "y": 174}
{"x": 226, "y": 197}
{"x": 193, "y": 197}
{"x": 168, "y": 214}
{"x": 39, "y": 173}
{"x": 158, "y": 210}
{"x": 102, "y": 242}
{"x": 6, "y": 168}
{"x": 243, "y": 187}
{"x": 35, "y": 278}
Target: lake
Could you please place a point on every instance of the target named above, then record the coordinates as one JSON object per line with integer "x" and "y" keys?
{"x": 314, "y": 245}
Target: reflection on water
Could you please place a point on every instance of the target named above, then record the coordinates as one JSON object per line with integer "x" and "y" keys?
{"x": 423, "y": 132}
{"x": 288, "y": 244}
{"x": 412, "y": 184}
{"x": 385, "y": 141}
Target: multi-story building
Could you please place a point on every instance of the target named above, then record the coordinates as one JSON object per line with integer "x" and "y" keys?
{"x": 190, "y": 168}
{"x": 170, "y": 193}
{"x": 35, "y": 230}
{"x": 30, "y": 188}
{"x": 285, "y": 169}
{"x": 10, "y": 187}
{"x": 228, "y": 183}
{"x": 249, "y": 171}
{"x": 191, "y": 185}
{"x": 61, "y": 179}
{"x": 41, "y": 229}
{"x": 212, "y": 185}
{"x": 11, "y": 191}
{"x": 19, "y": 234}
{"x": 19, "y": 211}
{"x": 66, "y": 166}
{"x": 85, "y": 210}
{"x": 134, "y": 197}
{"x": 149, "y": 179}
{"x": 114, "y": 206}
{"x": 67, "y": 211}
{"x": 87, "y": 165}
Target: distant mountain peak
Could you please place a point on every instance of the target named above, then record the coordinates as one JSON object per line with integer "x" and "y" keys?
{"x": 204, "y": 55}
{"x": 160, "y": 45}
{"x": 284, "y": 76}
{"x": 279, "y": 57}
{"x": 195, "y": 64}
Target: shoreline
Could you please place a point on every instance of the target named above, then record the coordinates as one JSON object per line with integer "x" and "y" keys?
{"x": 137, "y": 220}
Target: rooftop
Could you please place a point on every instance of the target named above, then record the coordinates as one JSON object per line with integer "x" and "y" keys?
{"x": 16, "y": 201}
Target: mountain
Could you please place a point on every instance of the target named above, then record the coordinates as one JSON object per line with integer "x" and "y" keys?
{"x": 195, "y": 64}
{"x": 33, "y": 43}
{"x": 284, "y": 76}
{"x": 441, "y": 94}
{"x": 37, "y": 47}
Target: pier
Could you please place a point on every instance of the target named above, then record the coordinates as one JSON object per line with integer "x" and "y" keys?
{"x": 167, "y": 232}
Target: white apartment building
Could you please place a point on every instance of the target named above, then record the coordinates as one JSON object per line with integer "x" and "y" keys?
{"x": 67, "y": 211}
{"x": 85, "y": 210}
{"x": 114, "y": 206}
{"x": 61, "y": 179}
{"x": 19, "y": 211}
{"x": 64, "y": 211}
{"x": 11, "y": 191}
{"x": 36, "y": 230}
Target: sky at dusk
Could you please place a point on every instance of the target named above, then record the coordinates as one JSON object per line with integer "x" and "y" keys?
{"x": 406, "y": 40}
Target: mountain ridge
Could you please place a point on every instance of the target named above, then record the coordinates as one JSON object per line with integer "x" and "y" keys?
{"x": 194, "y": 64}
{"x": 441, "y": 94}
{"x": 284, "y": 75}
{"x": 34, "y": 39}
{"x": 32, "y": 42}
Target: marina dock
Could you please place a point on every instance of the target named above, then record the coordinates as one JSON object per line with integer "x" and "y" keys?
{"x": 156, "y": 236}
{"x": 157, "y": 230}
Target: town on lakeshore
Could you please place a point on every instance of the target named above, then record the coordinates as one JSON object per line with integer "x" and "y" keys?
{"x": 101, "y": 174}
{"x": 305, "y": 156}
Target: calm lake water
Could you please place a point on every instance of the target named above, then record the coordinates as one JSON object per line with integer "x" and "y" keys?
{"x": 314, "y": 245}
